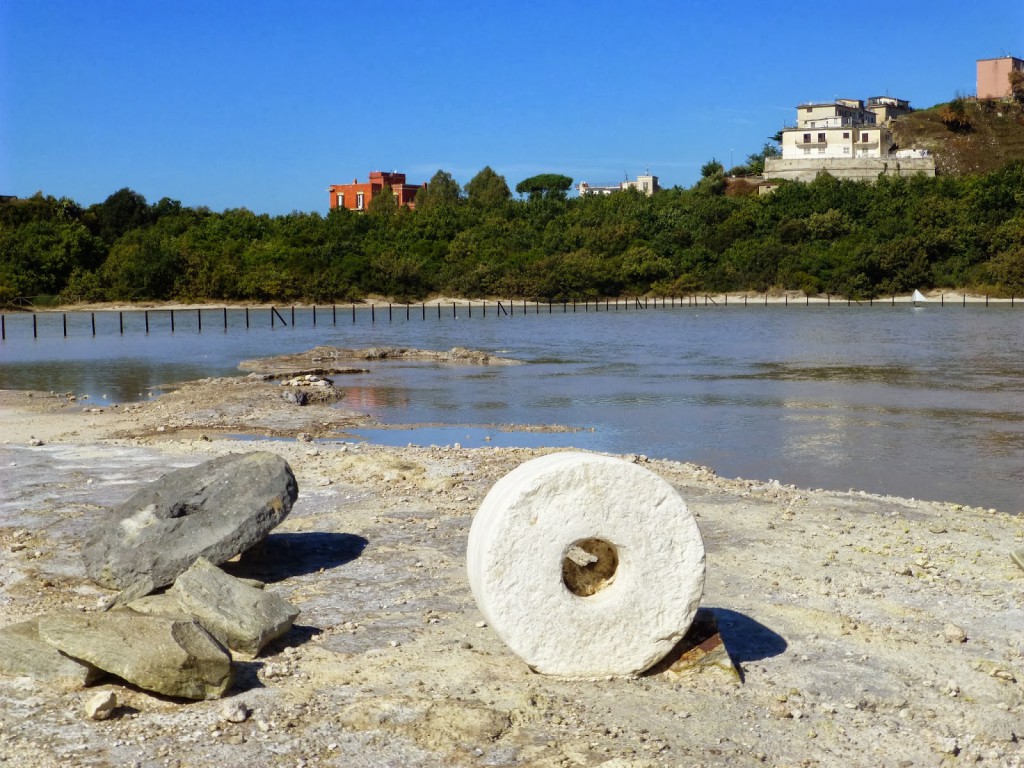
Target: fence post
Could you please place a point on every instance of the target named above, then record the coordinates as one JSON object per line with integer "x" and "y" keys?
{"x": 199, "y": 320}
{"x": 172, "y": 321}
{"x": 120, "y": 323}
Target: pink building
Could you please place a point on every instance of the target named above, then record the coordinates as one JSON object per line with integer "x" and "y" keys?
{"x": 994, "y": 76}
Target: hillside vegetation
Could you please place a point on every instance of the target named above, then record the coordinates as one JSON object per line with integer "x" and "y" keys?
{"x": 961, "y": 230}
{"x": 966, "y": 136}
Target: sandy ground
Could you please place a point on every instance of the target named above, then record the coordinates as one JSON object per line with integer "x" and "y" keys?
{"x": 868, "y": 630}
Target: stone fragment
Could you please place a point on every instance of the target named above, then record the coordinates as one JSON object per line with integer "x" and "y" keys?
{"x": 954, "y": 634}
{"x": 298, "y": 398}
{"x": 164, "y": 655}
{"x": 101, "y": 706}
{"x": 701, "y": 652}
{"x": 24, "y": 653}
{"x": 134, "y": 591}
{"x": 240, "y": 616}
{"x": 234, "y": 712}
{"x": 214, "y": 510}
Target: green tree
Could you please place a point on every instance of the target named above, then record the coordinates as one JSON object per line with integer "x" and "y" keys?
{"x": 711, "y": 168}
{"x": 487, "y": 188}
{"x": 442, "y": 189}
{"x": 551, "y": 186}
{"x": 122, "y": 212}
{"x": 384, "y": 203}
{"x": 755, "y": 162}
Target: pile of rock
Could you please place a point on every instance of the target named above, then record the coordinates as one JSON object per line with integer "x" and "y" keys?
{"x": 174, "y": 532}
{"x": 308, "y": 387}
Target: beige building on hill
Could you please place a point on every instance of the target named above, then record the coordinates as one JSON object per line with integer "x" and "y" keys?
{"x": 994, "y": 76}
{"x": 847, "y": 138}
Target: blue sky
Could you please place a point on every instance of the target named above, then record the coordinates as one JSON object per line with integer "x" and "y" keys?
{"x": 263, "y": 104}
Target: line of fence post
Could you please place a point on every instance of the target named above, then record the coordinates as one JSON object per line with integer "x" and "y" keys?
{"x": 502, "y": 309}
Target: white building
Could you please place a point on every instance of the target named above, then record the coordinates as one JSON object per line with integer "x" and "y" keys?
{"x": 848, "y": 139}
{"x": 647, "y": 184}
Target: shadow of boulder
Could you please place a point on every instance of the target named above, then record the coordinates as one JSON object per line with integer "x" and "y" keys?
{"x": 284, "y": 555}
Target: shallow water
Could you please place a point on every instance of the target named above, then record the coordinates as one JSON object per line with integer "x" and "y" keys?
{"x": 922, "y": 402}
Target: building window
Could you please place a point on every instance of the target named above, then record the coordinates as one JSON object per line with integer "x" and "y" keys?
{"x": 821, "y": 138}
{"x": 359, "y": 200}
{"x": 846, "y": 134}
{"x": 807, "y": 138}
{"x": 846, "y": 150}
{"x": 864, "y": 138}
{"x": 341, "y": 199}
{"x": 821, "y": 150}
{"x": 807, "y": 150}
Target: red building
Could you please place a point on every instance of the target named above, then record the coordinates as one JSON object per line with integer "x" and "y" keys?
{"x": 357, "y": 195}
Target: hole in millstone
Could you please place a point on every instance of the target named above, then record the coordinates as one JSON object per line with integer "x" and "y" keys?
{"x": 589, "y": 566}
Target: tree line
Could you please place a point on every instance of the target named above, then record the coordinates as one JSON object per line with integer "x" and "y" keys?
{"x": 829, "y": 236}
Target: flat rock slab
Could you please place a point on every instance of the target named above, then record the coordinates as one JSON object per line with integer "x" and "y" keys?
{"x": 24, "y": 654}
{"x": 167, "y": 656}
{"x": 240, "y": 616}
{"x": 215, "y": 510}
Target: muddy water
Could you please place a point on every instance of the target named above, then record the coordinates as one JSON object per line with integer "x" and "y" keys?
{"x": 921, "y": 402}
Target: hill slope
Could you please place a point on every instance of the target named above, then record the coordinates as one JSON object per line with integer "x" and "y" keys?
{"x": 966, "y": 136}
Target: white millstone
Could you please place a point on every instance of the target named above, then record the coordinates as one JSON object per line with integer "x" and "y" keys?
{"x": 586, "y": 566}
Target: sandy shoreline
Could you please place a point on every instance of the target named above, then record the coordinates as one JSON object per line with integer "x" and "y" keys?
{"x": 745, "y": 298}
{"x": 869, "y": 630}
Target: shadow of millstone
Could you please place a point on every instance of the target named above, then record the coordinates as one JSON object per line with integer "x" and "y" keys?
{"x": 284, "y": 555}
{"x": 746, "y": 639}
{"x": 719, "y": 639}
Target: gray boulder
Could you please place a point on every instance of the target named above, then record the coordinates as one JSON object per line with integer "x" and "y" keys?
{"x": 240, "y": 616}
{"x": 163, "y": 655}
{"x": 24, "y": 654}
{"x": 214, "y": 510}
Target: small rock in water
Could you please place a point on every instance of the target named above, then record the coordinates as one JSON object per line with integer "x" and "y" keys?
{"x": 101, "y": 706}
{"x": 35, "y": 442}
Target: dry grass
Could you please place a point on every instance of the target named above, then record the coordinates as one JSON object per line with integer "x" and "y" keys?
{"x": 989, "y": 134}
